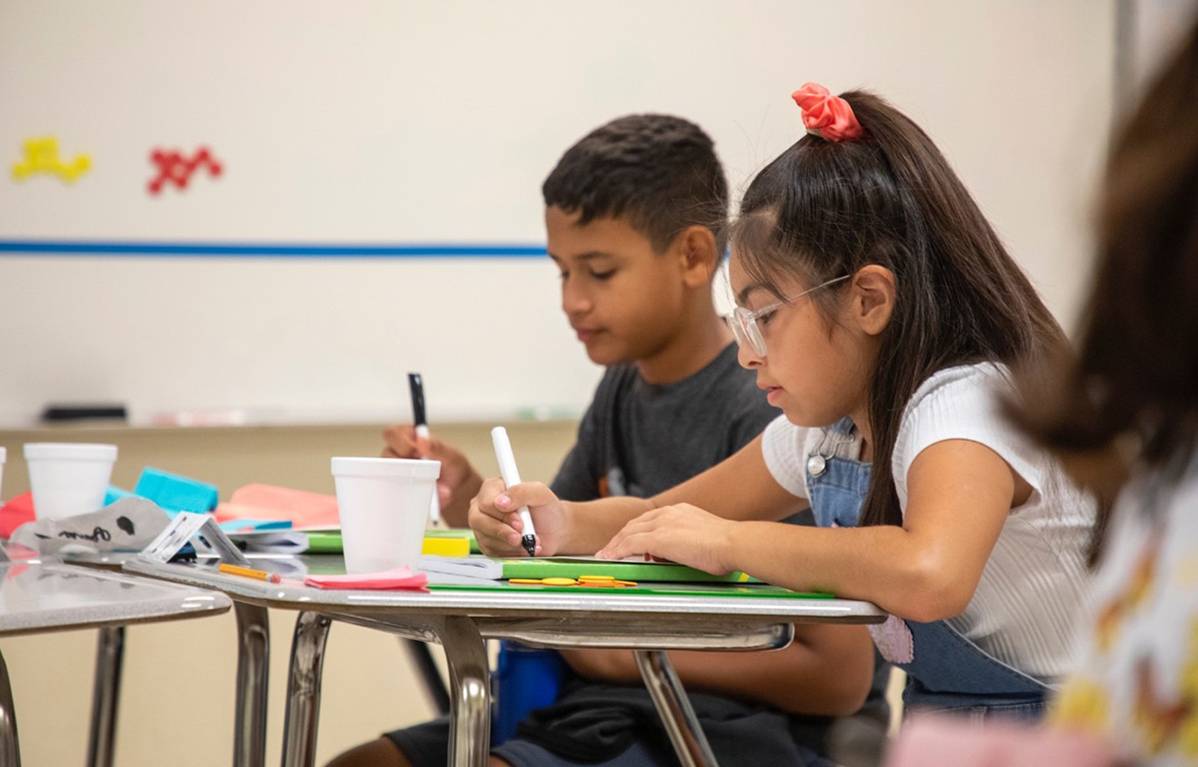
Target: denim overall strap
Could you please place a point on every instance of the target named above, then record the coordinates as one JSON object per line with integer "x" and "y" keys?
{"x": 836, "y": 482}
{"x": 945, "y": 669}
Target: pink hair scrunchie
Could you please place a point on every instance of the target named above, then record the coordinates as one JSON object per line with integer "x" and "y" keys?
{"x": 827, "y": 116}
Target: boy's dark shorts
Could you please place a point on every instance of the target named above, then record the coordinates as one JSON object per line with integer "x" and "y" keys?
{"x": 427, "y": 745}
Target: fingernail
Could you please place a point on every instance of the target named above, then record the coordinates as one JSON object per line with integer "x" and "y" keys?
{"x": 503, "y": 500}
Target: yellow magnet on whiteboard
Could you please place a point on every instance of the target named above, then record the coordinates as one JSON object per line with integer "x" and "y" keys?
{"x": 41, "y": 156}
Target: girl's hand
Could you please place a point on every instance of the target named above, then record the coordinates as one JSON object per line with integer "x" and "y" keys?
{"x": 497, "y": 525}
{"x": 683, "y": 533}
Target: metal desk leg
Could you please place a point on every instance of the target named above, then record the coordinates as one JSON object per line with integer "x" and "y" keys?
{"x": 470, "y": 690}
{"x": 434, "y": 687}
{"x": 10, "y": 748}
{"x": 303, "y": 689}
{"x": 253, "y": 677}
{"x": 674, "y": 709}
{"x": 106, "y": 692}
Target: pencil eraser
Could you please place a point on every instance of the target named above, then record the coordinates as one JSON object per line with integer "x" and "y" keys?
{"x": 176, "y": 493}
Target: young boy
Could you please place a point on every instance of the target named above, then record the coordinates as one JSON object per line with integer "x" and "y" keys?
{"x": 635, "y": 214}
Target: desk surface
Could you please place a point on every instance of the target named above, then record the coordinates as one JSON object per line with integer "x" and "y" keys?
{"x": 510, "y": 602}
{"x": 45, "y": 595}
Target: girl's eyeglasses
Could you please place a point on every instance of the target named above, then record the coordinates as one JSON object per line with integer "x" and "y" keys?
{"x": 744, "y": 323}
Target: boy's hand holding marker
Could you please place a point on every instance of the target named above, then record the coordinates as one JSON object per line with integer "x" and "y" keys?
{"x": 459, "y": 482}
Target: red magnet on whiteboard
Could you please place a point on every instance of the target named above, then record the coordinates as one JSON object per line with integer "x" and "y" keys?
{"x": 175, "y": 168}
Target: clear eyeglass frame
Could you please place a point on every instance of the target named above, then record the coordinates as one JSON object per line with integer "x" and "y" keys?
{"x": 745, "y": 327}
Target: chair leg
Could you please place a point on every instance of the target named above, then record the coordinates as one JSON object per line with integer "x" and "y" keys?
{"x": 690, "y": 744}
{"x": 430, "y": 676}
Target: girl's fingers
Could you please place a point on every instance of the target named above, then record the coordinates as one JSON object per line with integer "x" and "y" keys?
{"x": 616, "y": 547}
{"x": 627, "y": 546}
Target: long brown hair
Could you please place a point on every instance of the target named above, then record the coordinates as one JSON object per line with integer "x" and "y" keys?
{"x": 824, "y": 209}
{"x": 1131, "y": 393}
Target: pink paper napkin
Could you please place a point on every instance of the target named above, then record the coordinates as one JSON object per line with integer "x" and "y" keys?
{"x": 399, "y": 578}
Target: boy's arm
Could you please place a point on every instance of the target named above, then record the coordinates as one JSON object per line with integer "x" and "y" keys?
{"x": 826, "y": 671}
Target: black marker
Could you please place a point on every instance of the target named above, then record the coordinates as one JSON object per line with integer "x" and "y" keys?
{"x": 511, "y": 477}
{"x": 416, "y": 387}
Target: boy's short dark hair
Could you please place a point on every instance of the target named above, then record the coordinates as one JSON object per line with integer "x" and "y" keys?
{"x": 658, "y": 172}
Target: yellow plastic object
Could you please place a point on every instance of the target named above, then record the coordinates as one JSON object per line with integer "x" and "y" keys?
{"x": 41, "y": 156}
{"x": 585, "y": 581}
{"x": 445, "y": 547}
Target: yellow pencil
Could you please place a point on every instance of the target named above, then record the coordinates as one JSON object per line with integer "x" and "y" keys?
{"x": 250, "y": 572}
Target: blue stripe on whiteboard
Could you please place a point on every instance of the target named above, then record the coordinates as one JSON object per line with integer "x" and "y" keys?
{"x": 263, "y": 249}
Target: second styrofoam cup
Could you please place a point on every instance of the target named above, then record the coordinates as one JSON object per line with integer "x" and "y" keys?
{"x": 68, "y": 478}
{"x": 384, "y": 505}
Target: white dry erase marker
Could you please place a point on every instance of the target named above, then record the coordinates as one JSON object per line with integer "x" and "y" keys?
{"x": 416, "y": 389}
{"x": 511, "y": 478}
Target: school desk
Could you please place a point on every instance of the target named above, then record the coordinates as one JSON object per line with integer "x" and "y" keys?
{"x": 253, "y": 659}
{"x": 42, "y": 595}
{"x": 649, "y": 621}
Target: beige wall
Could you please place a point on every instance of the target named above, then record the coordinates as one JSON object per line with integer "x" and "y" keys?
{"x": 177, "y": 696}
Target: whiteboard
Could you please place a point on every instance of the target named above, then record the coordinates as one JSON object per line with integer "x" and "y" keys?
{"x": 424, "y": 130}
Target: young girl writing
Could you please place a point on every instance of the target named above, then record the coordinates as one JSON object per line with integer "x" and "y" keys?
{"x": 1123, "y": 416}
{"x": 880, "y": 312}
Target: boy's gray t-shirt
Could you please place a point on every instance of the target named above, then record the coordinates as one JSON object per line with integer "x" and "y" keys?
{"x": 639, "y": 439}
